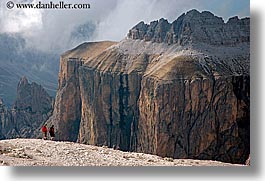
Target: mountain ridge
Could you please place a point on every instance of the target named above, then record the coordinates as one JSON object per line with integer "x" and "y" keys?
{"x": 194, "y": 27}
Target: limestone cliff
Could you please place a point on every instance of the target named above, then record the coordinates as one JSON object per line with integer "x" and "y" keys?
{"x": 176, "y": 89}
{"x": 67, "y": 110}
{"x": 32, "y": 108}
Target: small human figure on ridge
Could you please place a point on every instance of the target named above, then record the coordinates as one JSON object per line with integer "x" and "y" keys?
{"x": 44, "y": 131}
{"x": 52, "y": 133}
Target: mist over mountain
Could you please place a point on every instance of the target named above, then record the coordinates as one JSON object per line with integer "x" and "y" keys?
{"x": 17, "y": 60}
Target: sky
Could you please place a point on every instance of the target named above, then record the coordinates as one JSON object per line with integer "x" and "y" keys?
{"x": 53, "y": 30}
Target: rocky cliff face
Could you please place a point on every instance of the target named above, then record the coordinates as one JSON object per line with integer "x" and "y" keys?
{"x": 32, "y": 108}
{"x": 207, "y": 119}
{"x": 67, "y": 110}
{"x": 176, "y": 89}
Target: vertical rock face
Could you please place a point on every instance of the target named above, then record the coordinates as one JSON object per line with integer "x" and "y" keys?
{"x": 207, "y": 118}
{"x": 109, "y": 103}
{"x": 32, "y": 108}
{"x": 68, "y": 104}
{"x": 67, "y": 110}
{"x": 176, "y": 89}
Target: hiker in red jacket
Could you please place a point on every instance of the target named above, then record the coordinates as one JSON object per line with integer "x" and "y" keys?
{"x": 44, "y": 131}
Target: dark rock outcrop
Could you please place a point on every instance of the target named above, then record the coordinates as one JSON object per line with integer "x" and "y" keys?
{"x": 33, "y": 106}
{"x": 177, "y": 90}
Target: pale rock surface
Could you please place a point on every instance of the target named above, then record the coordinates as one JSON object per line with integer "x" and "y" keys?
{"x": 37, "y": 152}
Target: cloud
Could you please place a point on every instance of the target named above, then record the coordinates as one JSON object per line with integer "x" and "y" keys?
{"x": 52, "y": 30}
{"x": 16, "y": 21}
{"x": 127, "y": 13}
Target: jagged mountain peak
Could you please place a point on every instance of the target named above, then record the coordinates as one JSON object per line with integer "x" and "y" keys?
{"x": 194, "y": 27}
{"x": 33, "y": 96}
{"x": 23, "y": 81}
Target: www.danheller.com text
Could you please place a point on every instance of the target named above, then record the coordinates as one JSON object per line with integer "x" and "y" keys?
{"x": 49, "y": 5}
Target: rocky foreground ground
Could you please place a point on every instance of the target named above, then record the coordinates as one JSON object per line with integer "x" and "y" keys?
{"x": 37, "y": 152}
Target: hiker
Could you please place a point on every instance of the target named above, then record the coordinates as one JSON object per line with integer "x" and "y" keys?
{"x": 51, "y": 131}
{"x": 44, "y": 131}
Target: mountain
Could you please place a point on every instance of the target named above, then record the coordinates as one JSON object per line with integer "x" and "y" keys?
{"x": 194, "y": 27}
{"x": 17, "y": 60}
{"x": 32, "y": 107}
{"x": 179, "y": 90}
